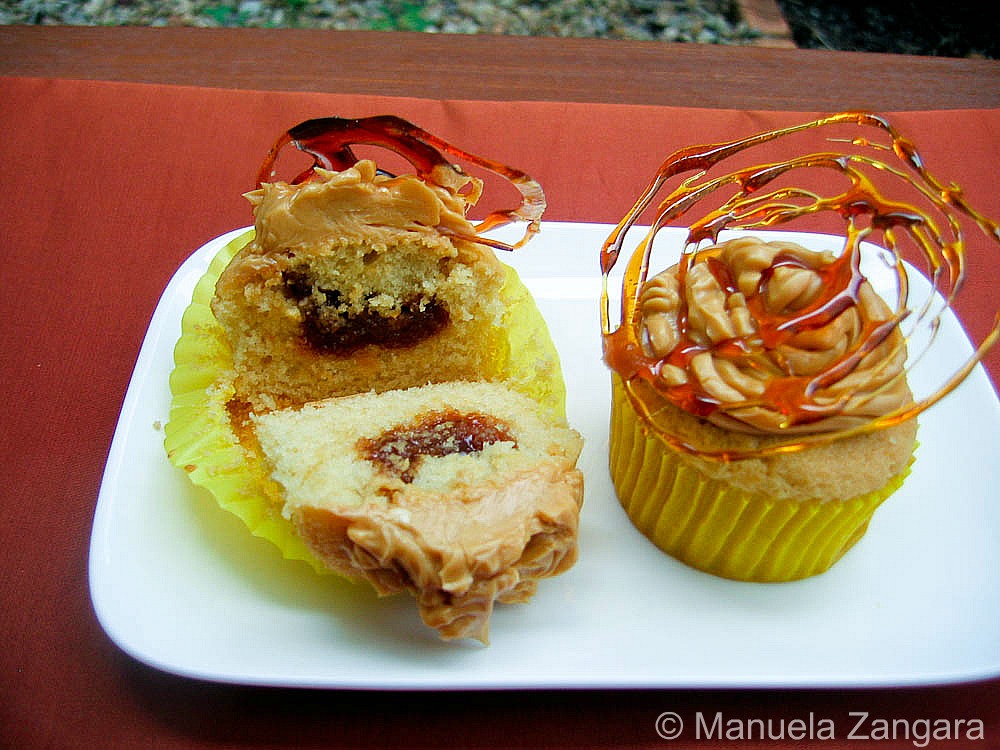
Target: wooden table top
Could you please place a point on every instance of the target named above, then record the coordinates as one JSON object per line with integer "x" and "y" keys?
{"x": 500, "y": 68}
{"x": 111, "y": 185}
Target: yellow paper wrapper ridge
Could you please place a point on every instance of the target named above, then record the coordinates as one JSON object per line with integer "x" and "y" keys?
{"x": 721, "y": 529}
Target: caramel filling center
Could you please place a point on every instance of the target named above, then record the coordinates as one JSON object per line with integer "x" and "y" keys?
{"x": 329, "y": 325}
{"x": 440, "y": 433}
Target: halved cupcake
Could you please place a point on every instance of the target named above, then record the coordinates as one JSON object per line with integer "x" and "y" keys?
{"x": 359, "y": 290}
{"x": 460, "y": 493}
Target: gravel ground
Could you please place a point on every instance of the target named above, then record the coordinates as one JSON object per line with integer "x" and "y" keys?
{"x": 918, "y": 27}
{"x": 705, "y": 21}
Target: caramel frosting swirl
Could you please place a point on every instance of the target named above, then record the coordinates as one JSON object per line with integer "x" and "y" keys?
{"x": 711, "y": 327}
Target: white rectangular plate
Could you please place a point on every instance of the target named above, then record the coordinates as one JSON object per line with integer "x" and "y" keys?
{"x": 179, "y": 584}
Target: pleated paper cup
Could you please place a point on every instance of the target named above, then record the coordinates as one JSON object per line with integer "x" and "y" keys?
{"x": 721, "y": 529}
{"x": 200, "y": 438}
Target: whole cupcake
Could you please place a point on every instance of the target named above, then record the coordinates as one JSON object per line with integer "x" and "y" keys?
{"x": 760, "y": 406}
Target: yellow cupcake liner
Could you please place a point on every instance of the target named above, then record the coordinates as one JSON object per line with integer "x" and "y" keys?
{"x": 720, "y": 529}
{"x": 199, "y": 437}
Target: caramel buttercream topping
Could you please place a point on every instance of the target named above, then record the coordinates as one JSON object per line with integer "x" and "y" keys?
{"x": 357, "y": 203}
{"x": 713, "y": 327}
{"x": 774, "y": 339}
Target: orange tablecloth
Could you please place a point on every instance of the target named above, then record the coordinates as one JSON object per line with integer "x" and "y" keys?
{"x": 108, "y": 187}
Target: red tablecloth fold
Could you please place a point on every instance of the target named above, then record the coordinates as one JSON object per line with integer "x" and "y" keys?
{"x": 107, "y": 188}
